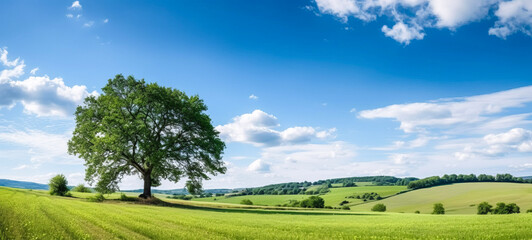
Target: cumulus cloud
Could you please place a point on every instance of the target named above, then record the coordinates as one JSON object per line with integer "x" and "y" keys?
{"x": 513, "y": 16}
{"x": 253, "y": 97}
{"x": 411, "y": 17}
{"x": 514, "y": 140}
{"x": 88, "y": 24}
{"x": 75, "y": 5}
{"x": 39, "y": 95}
{"x": 480, "y": 109}
{"x": 258, "y": 128}
{"x": 259, "y": 166}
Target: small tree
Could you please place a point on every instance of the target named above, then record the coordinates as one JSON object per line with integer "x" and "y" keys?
{"x": 81, "y": 188}
{"x": 484, "y": 208}
{"x": 246, "y": 202}
{"x": 58, "y": 185}
{"x": 438, "y": 209}
{"x": 500, "y": 208}
{"x": 313, "y": 202}
{"x": 379, "y": 207}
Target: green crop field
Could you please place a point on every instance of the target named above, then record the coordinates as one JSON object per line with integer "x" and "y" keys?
{"x": 35, "y": 215}
{"x": 333, "y": 198}
{"x": 457, "y": 198}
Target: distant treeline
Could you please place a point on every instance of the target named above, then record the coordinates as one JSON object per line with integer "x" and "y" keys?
{"x": 462, "y": 178}
{"x": 321, "y": 186}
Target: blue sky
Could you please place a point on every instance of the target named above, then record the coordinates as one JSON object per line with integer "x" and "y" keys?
{"x": 300, "y": 90}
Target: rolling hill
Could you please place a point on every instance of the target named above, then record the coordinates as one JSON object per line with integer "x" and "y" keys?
{"x": 22, "y": 184}
{"x": 458, "y": 198}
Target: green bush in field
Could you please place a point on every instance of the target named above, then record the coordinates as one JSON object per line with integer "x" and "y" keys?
{"x": 529, "y": 211}
{"x": 313, "y": 202}
{"x": 379, "y": 207}
{"x": 503, "y": 208}
{"x": 81, "y": 188}
{"x": 417, "y": 212}
{"x": 484, "y": 208}
{"x": 246, "y": 202}
{"x": 96, "y": 198}
{"x": 124, "y": 197}
{"x": 58, "y": 185}
{"x": 346, "y": 208}
{"x": 438, "y": 209}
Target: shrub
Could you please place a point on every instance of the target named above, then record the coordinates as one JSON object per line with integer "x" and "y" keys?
{"x": 344, "y": 202}
{"x": 438, "y": 209}
{"x": 58, "y": 185}
{"x": 379, "y": 207}
{"x": 417, "y": 212}
{"x": 329, "y": 207}
{"x": 246, "y": 202}
{"x": 97, "y": 198}
{"x": 484, "y": 208}
{"x": 346, "y": 208}
{"x": 529, "y": 211}
{"x": 502, "y": 208}
{"x": 81, "y": 188}
{"x": 313, "y": 202}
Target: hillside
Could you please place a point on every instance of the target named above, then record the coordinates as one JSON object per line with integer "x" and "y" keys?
{"x": 36, "y": 215}
{"x": 458, "y": 198}
{"x": 22, "y": 184}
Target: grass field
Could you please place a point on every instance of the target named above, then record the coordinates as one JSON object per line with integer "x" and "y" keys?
{"x": 333, "y": 198}
{"x": 457, "y": 198}
{"x": 35, "y": 215}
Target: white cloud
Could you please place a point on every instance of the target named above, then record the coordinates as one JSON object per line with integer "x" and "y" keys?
{"x": 106, "y": 20}
{"x": 481, "y": 109}
{"x": 42, "y": 147}
{"x": 39, "y": 95}
{"x": 88, "y": 24}
{"x": 403, "y": 33}
{"x": 411, "y": 17}
{"x": 33, "y": 71}
{"x": 514, "y": 140}
{"x": 253, "y": 97}
{"x": 70, "y": 15}
{"x": 513, "y": 16}
{"x": 259, "y": 166}
{"x": 75, "y": 5}
{"x": 258, "y": 128}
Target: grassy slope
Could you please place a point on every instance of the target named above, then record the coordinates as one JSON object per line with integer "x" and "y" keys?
{"x": 332, "y": 198}
{"x": 34, "y": 215}
{"x": 457, "y": 198}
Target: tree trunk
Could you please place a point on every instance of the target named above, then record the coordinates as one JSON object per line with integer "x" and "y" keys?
{"x": 147, "y": 187}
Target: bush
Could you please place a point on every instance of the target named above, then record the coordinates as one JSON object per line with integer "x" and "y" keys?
{"x": 484, "y": 208}
{"x": 438, "y": 209}
{"x": 502, "y": 208}
{"x": 344, "y": 202}
{"x": 246, "y": 202}
{"x": 529, "y": 211}
{"x": 313, "y": 202}
{"x": 329, "y": 207}
{"x": 346, "y": 208}
{"x": 58, "y": 185}
{"x": 417, "y": 212}
{"x": 379, "y": 207}
{"x": 81, "y": 188}
{"x": 97, "y": 198}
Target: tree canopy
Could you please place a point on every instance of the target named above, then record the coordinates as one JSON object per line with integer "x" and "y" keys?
{"x": 139, "y": 128}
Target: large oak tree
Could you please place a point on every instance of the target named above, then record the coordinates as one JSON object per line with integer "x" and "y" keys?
{"x": 145, "y": 129}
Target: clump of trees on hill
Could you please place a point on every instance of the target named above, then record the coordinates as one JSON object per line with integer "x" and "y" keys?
{"x": 438, "y": 209}
{"x": 324, "y": 185}
{"x": 311, "y": 202}
{"x": 462, "y": 178}
{"x": 367, "y": 196}
{"x": 379, "y": 207}
{"x": 501, "y": 208}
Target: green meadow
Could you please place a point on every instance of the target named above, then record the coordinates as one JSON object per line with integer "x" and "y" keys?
{"x": 459, "y": 198}
{"x": 36, "y": 215}
{"x": 332, "y": 198}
